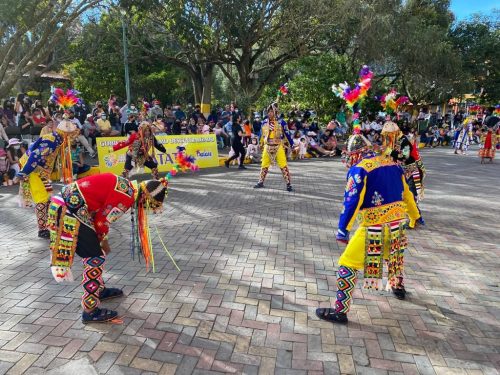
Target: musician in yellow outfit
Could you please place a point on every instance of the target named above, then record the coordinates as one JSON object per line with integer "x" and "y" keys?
{"x": 274, "y": 137}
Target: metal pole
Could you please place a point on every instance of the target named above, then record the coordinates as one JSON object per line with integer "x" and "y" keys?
{"x": 125, "y": 60}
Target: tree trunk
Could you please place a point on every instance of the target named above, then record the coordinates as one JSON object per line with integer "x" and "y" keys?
{"x": 206, "y": 97}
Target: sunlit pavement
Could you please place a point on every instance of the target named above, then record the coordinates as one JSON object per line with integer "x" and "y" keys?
{"x": 254, "y": 266}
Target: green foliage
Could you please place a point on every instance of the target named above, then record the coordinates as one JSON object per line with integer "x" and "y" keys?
{"x": 98, "y": 69}
{"x": 477, "y": 42}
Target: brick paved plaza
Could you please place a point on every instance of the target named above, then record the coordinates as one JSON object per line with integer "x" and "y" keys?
{"x": 255, "y": 265}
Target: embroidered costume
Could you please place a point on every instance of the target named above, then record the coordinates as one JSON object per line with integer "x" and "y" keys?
{"x": 37, "y": 165}
{"x": 141, "y": 146}
{"x": 79, "y": 221}
{"x": 378, "y": 195}
{"x": 274, "y": 137}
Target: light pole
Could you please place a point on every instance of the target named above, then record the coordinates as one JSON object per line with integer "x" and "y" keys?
{"x": 125, "y": 56}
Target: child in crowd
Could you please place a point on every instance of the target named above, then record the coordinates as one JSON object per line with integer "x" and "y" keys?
{"x": 6, "y": 172}
{"x": 302, "y": 148}
{"x": 253, "y": 151}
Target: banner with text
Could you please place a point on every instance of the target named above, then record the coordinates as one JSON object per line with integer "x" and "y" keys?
{"x": 202, "y": 147}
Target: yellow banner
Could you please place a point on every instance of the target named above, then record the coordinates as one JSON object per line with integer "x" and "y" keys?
{"x": 202, "y": 147}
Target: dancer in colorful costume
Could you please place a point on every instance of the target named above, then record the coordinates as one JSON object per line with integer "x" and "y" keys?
{"x": 274, "y": 137}
{"x": 79, "y": 221}
{"x": 463, "y": 140}
{"x": 376, "y": 190}
{"x": 37, "y": 165}
{"x": 406, "y": 154}
{"x": 141, "y": 150}
{"x": 489, "y": 141}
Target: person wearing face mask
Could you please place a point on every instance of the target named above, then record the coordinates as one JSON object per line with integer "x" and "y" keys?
{"x": 104, "y": 126}
{"x": 81, "y": 137}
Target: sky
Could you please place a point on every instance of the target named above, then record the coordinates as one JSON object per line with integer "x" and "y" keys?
{"x": 465, "y": 8}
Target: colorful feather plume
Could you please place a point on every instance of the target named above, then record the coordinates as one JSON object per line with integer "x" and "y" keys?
{"x": 390, "y": 103}
{"x": 354, "y": 96}
{"x": 496, "y": 111}
{"x": 65, "y": 100}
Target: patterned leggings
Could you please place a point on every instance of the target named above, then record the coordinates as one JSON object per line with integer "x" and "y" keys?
{"x": 346, "y": 282}
{"x": 92, "y": 282}
{"x": 41, "y": 215}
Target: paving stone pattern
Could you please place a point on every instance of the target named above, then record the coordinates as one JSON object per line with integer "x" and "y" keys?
{"x": 255, "y": 265}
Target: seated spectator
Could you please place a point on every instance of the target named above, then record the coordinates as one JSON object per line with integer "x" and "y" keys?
{"x": 6, "y": 172}
{"x": 192, "y": 128}
{"x": 314, "y": 148}
{"x": 77, "y": 159}
{"x": 429, "y": 136}
{"x": 177, "y": 127}
{"x": 48, "y": 128}
{"x": 253, "y": 150}
{"x": 90, "y": 129}
{"x": 104, "y": 127}
{"x": 328, "y": 141}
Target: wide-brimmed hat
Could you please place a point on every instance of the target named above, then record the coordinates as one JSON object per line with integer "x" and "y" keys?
{"x": 14, "y": 141}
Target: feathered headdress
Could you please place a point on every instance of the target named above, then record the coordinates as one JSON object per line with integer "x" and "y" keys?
{"x": 354, "y": 96}
{"x": 65, "y": 100}
{"x": 390, "y": 103}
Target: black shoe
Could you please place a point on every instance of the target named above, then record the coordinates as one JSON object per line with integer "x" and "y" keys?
{"x": 242, "y": 167}
{"x": 400, "y": 292}
{"x": 259, "y": 185}
{"x": 331, "y": 316}
{"x": 99, "y": 316}
{"x": 44, "y": 233}
{"x": 226, "y": 163}
{"x": 289, "y": 188}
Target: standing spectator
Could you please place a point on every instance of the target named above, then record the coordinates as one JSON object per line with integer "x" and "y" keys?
{"x": 131, "y": 125}
{"x": 155, "y": 110}
{"x": 247, "y": 132}
{"x": 179, "y": 113}
{"x": 237, "y": 145}
{"x": 169, "y": 117}
{"x": 111, "y": 102}
{"x": 257, "y": 126}
{"x": 3, "y": 125}
{"x": 81, "y": 111}
{"x": 51, "y": 107}
{"x": 221, "y": 135}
